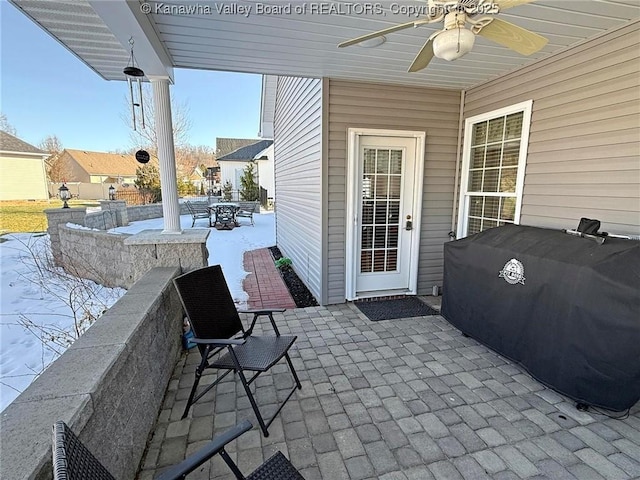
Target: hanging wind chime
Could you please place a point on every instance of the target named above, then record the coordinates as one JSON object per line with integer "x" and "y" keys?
{"x": 134, "y": 74}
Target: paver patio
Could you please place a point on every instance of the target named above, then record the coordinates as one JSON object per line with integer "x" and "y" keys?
{"x": 398, "y": 399}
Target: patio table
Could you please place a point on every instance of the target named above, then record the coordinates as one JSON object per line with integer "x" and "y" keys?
{"x": 224, "y": 215}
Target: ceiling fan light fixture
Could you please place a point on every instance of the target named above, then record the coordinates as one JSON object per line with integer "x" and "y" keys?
{"x": 453, "y": 44}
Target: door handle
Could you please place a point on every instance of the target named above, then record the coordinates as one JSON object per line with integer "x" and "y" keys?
{"x": 409, "y": 224}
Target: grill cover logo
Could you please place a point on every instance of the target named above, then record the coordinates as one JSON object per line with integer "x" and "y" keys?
{"x": 513, "y": 272}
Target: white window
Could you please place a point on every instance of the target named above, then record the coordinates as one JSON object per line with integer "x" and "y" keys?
{"x": 493, "y": 164}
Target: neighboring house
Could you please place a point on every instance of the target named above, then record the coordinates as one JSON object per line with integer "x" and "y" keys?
{"x": 197, "y": 178}
{"x": 233, "y": 163}
{"x": 88, "y": 175}
{"x": 359, "y": 164}
{"x": 22, "y": 170}
{"x": 99, "y": 167}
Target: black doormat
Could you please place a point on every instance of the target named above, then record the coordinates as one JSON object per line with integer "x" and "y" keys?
{"x": 397, "y": 308}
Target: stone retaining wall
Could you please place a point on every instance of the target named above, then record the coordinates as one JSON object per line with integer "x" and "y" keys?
{"x": 108, "y": 386}
{"x": 99, "y": 256}
{"x": 144, "y": 212}
{"x": 108, "y": 258}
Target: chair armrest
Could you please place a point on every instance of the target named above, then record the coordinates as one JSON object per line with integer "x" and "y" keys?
{"x": 205, "y": 453}
{"x": 264, "y": 312}
{"x": 259, "y": 313}
{"x": 217, "y": 341}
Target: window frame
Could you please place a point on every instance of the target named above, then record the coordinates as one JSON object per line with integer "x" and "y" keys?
{"x": 464, "y": 197}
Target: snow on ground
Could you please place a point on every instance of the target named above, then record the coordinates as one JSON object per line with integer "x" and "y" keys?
{"x": 25, "y": 293}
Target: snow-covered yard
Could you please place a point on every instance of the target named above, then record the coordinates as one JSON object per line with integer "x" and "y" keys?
{"x": 28, "y": 293}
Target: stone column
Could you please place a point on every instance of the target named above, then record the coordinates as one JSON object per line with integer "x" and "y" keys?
{"x": 166, "y": 155}
{"x": 59, "y": 216}
{"x": 119, "y": 210}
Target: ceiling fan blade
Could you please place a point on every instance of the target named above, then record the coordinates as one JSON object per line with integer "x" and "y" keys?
{"x": 423, "y": 58}
{"x": 504, "y": 4}
{"x": 516, "y": 38}
{"x": 379, "y": 33}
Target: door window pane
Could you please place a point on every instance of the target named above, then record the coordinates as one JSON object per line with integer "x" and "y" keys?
{"x": 381, "y": 213}
{"x": 395, "y": 167}
{"x": 392, "y": 260}
{"x": 382, "y": 165}
{"x": 394, "y": 187}
{"x": 379, "y": 264}
{"x": 369, "y": 161}
{"x": 381, "y": 191}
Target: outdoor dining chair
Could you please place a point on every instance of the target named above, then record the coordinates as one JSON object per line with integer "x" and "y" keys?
{"x": 198, "y": 210}
{"x": 247, "y": 213}
{"x": 72, "y": 460}
{"x": 223, "y": 341}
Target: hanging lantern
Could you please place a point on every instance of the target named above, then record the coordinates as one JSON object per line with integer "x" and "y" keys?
{"x": 133, "y": 75}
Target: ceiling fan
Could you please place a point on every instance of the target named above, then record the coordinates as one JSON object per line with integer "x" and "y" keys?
{"x": 455, "y": 40}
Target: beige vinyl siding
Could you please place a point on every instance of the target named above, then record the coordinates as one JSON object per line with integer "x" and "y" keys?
{"x": 584, "y": 145}
{"x": 22, "y": 177}
{"x": 363, "y": 105}
{"x": 298, "y": 177}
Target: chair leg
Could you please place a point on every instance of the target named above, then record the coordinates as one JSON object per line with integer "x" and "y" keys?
{"x": 199, "y": 370}
{"x": 231, "y": 464}
{"x": 293, "y": 371}
{"x": 254, "y": 405}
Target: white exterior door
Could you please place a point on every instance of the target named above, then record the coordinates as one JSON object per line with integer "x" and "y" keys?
{"x": 385, "y": 182}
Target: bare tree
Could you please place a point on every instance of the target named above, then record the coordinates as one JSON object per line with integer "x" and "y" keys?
{"x": 5, "y": 126}
{"x": 188, "y": 157}
{"x": 148, "y": 137}
{"x": 56, "y": 165}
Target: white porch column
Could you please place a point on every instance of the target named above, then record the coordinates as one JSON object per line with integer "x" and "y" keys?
{"x": 166, "y": 155}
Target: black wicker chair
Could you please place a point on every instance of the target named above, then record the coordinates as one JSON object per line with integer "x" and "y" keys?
{"x": 73, "y": 461}
{"x": 223, "y": 341}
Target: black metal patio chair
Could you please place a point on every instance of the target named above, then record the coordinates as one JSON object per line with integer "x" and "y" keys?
{"x": 223, "y": 341}
{"x": 246, "y": 212}
{"x": 197, "y": 211}
{"x": 72, "y": 460}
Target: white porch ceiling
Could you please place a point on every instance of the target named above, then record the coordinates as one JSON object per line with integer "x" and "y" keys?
{"x": 306, "y": 45}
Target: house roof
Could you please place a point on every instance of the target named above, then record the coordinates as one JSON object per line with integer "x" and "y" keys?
{"x": 9, "y": 143}
{"x": 248, "y": 152}
{"x": 101, "y": 163}
{"x": 225, "y": 146}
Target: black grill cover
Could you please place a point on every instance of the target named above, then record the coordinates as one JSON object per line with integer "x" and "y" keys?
{"x": 564, "y": 307}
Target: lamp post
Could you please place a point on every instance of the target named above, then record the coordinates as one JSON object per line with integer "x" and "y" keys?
{"x": 64, "y": 195}
{"x": 112, "y": 193}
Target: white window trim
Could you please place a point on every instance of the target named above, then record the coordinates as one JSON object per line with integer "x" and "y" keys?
{"x": 463, "y": 202}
